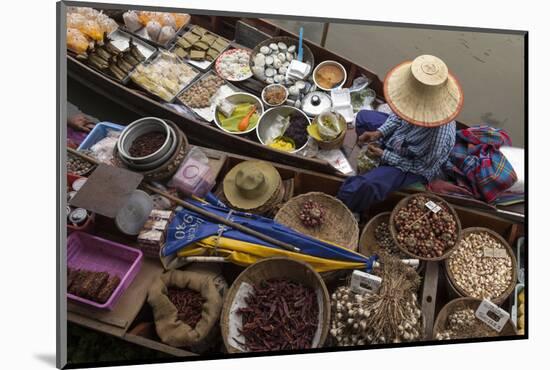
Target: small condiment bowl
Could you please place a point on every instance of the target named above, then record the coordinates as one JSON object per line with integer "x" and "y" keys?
{"x": 325, "y": 63}
{"x": 270, "y": 87}
{"x": 239, "y": 98}
{"x": 140, "y": 127}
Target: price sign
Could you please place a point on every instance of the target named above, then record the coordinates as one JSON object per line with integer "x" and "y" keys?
{"x": 362, "y": 282}
{"x": 432, "y": 206}
{"x": 494, "y": 252}
{"x": 492, "y": 315}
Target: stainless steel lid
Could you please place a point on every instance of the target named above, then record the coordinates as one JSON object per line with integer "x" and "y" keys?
{"x": 316, "y": 102}
{"x": 78, "y": 216}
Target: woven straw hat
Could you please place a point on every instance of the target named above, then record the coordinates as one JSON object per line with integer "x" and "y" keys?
{"x": 424, "y": 92}
{"x": 251, "y": 184}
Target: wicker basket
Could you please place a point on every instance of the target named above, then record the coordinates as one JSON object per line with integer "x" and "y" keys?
{"x": 367, "y": 243}
{"x": 339, "y": 140}
{"x": 308, "y": 55}
{"x": 340, "y": 226}
{"x": 402, "y": 203}
{"x": 169, "y": 168}
{"x": 275, "y": 268}
{"x": 459, "y": 303}
{"x": 461, "y": 292}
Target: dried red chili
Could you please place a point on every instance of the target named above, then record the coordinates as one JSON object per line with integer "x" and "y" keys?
{"x": 280, "y": 314}
{"x": 188, "y": 303}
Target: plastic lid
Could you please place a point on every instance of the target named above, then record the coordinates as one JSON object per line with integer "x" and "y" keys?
{"x": 316, "y": 102}
{"x": 131, "y": 218}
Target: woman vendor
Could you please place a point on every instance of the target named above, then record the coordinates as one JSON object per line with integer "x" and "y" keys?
{"x": 413, "y": 142}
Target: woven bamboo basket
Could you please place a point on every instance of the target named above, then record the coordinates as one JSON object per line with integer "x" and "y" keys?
{"x": 275, "y": 268}
{"x": 367, "y": 243}
{"x": 340, "y": 226}
{"x": 461, "y": 292}
{"x": 307, "y": 56}
{"x": 460, "y": 303}
{"x": 402, "y": 203}
{"x": 168, "y": 168}
{"x": 339, "y": 140}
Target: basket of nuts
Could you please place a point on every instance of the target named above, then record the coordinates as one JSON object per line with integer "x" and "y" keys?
{"x": 425, "y": 226}
{"x": 321, "y": 216}
{"x": 482, "y": 266}
{"x": 376, "y": 235}
{"x": 457, "y": 320}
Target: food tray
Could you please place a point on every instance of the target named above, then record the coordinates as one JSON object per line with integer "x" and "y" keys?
{"x": 520, "y": 252}
{"x": 97, "y": 254}
{"x": 154, "y": 60}
{"x": 514, "y": 313}
{"x": 142, "y": 35}
{"x": 206, "y": 114}
{"x": 98, "y": 133}
{"x": 120, "y": 40}
{"x": 201, "y": 65}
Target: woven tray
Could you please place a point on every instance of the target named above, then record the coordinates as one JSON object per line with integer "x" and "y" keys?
{"x": 340, "y": 226}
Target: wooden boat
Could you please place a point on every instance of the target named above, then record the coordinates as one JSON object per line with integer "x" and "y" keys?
{"x": 246, "y": 33}
{"x": 132, "y": 319}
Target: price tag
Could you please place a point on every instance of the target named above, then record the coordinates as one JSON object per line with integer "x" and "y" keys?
{"x": 432, "y": 206}
{"x": 362, "y": 282}
{"x": 492, "y": 315}
{"x": 494, "y": 252}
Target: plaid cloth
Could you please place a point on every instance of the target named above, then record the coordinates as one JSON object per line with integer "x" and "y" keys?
{"x": 477, "y": 163}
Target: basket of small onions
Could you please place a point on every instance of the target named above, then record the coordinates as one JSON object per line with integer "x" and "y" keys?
{"x": 426, "y": 227}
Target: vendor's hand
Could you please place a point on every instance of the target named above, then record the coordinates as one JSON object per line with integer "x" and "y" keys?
{"x": 81, "y": 122}
{"x": 374, "y": 151}
{"x": 369, "y": 136}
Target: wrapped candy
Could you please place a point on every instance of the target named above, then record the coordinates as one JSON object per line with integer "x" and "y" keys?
{"x": 166, "y": 34}
{"x": 153, "y": 29}
{"x": 76, "y": 41}
{"x": 131, "y": 20}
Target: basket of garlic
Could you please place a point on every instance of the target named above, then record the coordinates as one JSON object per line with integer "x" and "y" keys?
{"x": 457, "y": 320}
{"x": 391, "y": 315}
{"x": 482, "y": 266}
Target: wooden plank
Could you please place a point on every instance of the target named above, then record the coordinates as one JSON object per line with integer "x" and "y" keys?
{"x": 249, "y": 36}
{"x": 157, "y": 346}
{"x": 429, "y": 296}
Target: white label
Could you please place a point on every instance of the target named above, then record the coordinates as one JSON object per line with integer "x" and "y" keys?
{"x": 494, "y": 252}
{"x": 362, "y": 282}
{"x": 492, "y": 315}
{"x": 433, "y": 207}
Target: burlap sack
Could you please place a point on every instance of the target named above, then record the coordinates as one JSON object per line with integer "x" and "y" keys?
{"x": 170, "y": 329}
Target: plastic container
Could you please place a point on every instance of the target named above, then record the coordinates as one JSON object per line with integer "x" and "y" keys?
{"x": 131, "y": 218}
{"x": 194, "y": 178}
{"x": 85, "y": 251}
{"x": 89, "y": 225}
{"x": 520, "y": 251}
{"x": 98, "y": 133}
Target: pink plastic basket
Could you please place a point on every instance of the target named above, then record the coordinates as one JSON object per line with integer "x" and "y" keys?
{"x": 85, "y": 251}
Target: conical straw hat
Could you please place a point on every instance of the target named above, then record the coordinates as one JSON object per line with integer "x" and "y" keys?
{"x": 423, "y": 92}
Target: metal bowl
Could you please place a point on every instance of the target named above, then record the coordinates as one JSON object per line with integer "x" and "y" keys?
{"x": 156, "y": 163}
{"x": 269, "y": 117}
{"x": 239, "y": 98}
{"x": 138, "y": 128}
{"x": 334, "y": 63}
{"x": 271, "y": 86}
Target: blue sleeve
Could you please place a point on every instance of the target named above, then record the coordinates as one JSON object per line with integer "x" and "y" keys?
{"x": 437, "y": 151}
{"x": 391, "y": 124}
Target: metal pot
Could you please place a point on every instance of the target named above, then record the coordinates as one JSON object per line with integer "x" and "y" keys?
{"x": 140, "y": 127}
